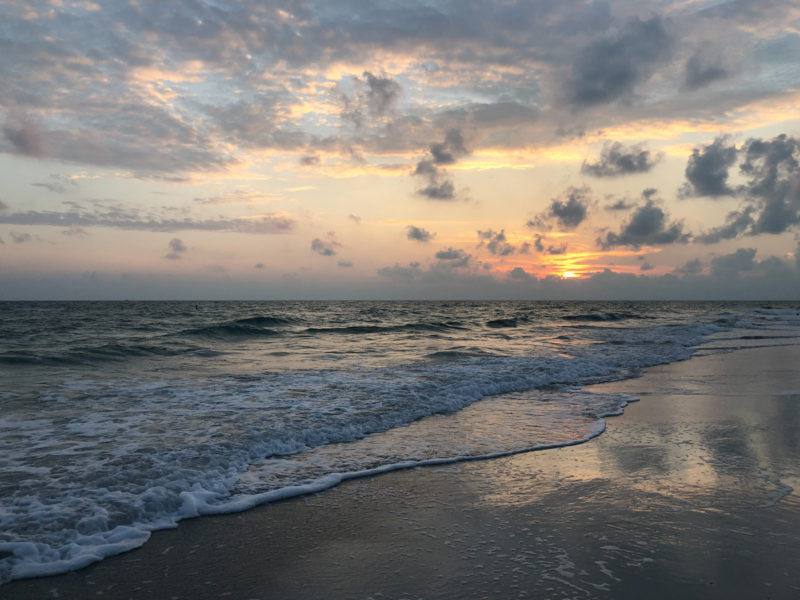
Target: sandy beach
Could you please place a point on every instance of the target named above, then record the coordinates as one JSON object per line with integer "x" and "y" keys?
{"x": 687, "y": 495}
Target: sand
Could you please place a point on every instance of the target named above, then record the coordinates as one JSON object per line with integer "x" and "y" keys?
{"x": 687, "y": 495}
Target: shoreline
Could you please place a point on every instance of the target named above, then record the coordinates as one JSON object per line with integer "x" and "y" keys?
{"x": 695, "y": 455}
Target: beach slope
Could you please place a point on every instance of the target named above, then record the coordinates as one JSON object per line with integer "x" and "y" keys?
{"x": 692, "y": 493}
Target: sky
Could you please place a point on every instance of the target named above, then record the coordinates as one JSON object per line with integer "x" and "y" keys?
{"x": 400, "y": 149}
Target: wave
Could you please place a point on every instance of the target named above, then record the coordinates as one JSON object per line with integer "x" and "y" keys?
{"x": 265, "y": 321}
{"x": 500, "y": 323}
{"x": 108, "y": 352}
{"x": 231, "y": 331}
{"x": 448, "y": 355}
{"x": 604, "y": 316}
{"x": 367, "y": 329}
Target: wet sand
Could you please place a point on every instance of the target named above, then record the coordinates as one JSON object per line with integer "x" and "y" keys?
{"x": 687, "y": 495}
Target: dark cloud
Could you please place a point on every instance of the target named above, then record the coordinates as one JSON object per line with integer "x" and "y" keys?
{"x": 54, "y": 186}
{"x": 736, "y": 223}
{"x": 495, "y": 242}
{"x": 617, "y": 159}
{"x": 133, "y": 220}
{"x": 438, "y": 189}
{"x": 454, "y": 257}
{"x": 375, "y": 95}
{"x": 690, "y": 267}
{"x": 549, "y": 249}
{"x": 707, "y": 170}
{"x": 3, "y": 206}
{"x": 519, "y": 274}
{"x": 418, "y": 234}
{"x": 21, "y": 238}
{"x": 355, "y": 219}
{"x": 646, "y": 266}
{"x": 774, "y": 183}
{"x": 324, "y": 248}
{"x": 382, "y": 93}
{"x": 439, "y": 186}
{"x": 259, "y": 266}
{"x": 345, "y": 263}
{"x": 309, "y": 161}
{"x": 570, "y": 210}
{"x": 176, "y": 249}
{"x": 610, "y": 69}
{"x": 771, "y": 194}
{"x": 619, "y": 205}
{"x": 728, "y": 264}
{"x": 26, "y": 136}
{"x": 703, "y": 69}
{"x": 649, "y": 226}
{"x": 75, "y": 232}
{"x": 402, "y": 274}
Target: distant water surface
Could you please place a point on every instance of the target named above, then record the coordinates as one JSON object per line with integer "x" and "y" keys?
{"x": 118, "y": 418}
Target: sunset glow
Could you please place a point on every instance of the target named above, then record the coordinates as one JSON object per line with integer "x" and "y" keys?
{"x": 296, "y": 151}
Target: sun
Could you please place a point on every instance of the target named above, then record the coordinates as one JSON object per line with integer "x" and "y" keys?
{"x": 568, "y": 275}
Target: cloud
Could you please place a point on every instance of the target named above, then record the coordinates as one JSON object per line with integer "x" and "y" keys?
{"x": 707, "y": 170}
{"x": 620, "y": 204}
{"x": 3, "y": 206}
{"x": 309, "y": 161}
{"x": 258, "y": 266}
{"x": 736, "y": 223}
{"x": 495, "y": 242}
{"x": 75, "y": 232}
{"x": 609, "y": 69}
{"x": 418, "y": 234}
{"x": 132, "y": 220}
{"x": 177, "y": 249}
{"x": 376, "y": 95}
{"x": 438, "y": 185}
{"x": 771, "y": 194}
{"x": 690, "y": 267}
{"x": 438, "y": 189}
{"x": 401, "y": 274}
{"x": 729, "y": 264}
{"x": 25, "y": 135}
{"x": 345, "y": 263}
{"x": 519, "y": 274}
{"x": 355, "y": 219}
{"x": 648, "y": 226}
{"x": 382, "y": 93}
{"x": 617, "y": 160}
{"x": 21, "y": 238}
{"x": 454, "y": 257}
{"x": 549, "y": 249}
{"x": 570, "y": 210}
{"x": 774, "y": 184}
{"x": 702, "y": 69}
{"x": 324, "y": 248}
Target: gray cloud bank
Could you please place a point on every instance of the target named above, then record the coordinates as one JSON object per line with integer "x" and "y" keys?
{"x": 83, "y": 84}
{"x": 132, "y": 220}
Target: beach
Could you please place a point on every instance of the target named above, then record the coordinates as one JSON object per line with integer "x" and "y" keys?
{"x": 692, "y": 493}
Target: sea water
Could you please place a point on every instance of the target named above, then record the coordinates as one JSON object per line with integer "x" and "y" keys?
{"x": 120, "y": 418}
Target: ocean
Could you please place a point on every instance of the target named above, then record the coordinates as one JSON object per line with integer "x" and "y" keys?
{"x": 121, "y": 418}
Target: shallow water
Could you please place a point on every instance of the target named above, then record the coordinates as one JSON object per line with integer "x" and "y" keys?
{"x": 121, "y": 418}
